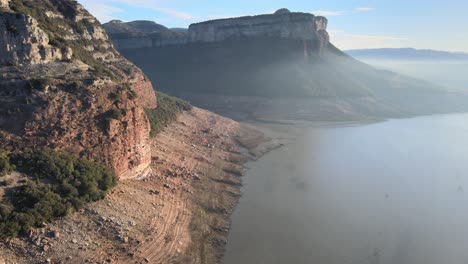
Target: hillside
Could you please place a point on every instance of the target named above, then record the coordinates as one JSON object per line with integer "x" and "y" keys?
{"x": 94, "y": 167}
{"x": 407, "y": 54}
{"x": 63, "y": 86}
{"x": 283, "y": 66}
{"x": 76, "y": 118}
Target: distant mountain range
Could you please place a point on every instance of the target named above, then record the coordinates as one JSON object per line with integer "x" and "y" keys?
{"x": 406, "y": 54}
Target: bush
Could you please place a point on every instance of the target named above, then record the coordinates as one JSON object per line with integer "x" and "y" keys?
{"x": 60, "y": 183}
{"x": 166, "y": 112}
{"x": 5, "y": 165}
{"x": 120, "y": 90}
{"x": 116, "y": 114}
{"x": 38, "y": 84}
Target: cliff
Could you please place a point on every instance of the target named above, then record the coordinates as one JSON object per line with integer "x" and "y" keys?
{"x": 282, "y": 66}
{"x": 282, "y": 24}
{"x": 62, "y": 85}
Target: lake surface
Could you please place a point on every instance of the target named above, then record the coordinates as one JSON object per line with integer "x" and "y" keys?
{"x": 389, "y": 193}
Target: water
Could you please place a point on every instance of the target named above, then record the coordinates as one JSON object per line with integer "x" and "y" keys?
{"x": 387, "y": 193}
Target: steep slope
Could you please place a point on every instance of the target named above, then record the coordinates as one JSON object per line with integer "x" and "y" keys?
{"x": 283, "y": 66}
{"x": 62, "y": 85}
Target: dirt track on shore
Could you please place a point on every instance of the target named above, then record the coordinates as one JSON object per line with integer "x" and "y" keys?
{"x": 178, "y": 213}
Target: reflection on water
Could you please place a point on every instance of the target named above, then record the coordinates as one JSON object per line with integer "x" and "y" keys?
{"x": 387, "y": 193}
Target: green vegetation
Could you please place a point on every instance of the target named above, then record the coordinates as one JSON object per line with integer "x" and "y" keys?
{"x": 116, "y": 114}
{"x": 166, "y": 112}
{"x": 5, "y": 164}
{"x": 121, "y": 90}
{"x": 58, "y": 183}
{"x": 38, "y": 84}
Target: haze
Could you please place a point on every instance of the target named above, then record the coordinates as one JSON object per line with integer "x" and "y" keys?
{"x": 250, "y": 131}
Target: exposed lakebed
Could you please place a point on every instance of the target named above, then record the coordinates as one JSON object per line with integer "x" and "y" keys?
{"x": 391, "y": 192}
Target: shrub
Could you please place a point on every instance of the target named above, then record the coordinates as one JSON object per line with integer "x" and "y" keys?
{"x": 60, "y": 183}
{"x": 166, "y": 112}
{"x": 38, "y": 84}
{"x": 116, "y": 114}
{"x": 120, "y": 90}
{"x": 5, "y": 165}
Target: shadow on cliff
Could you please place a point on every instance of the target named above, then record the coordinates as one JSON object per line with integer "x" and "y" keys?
{"x": 286, "y": 68}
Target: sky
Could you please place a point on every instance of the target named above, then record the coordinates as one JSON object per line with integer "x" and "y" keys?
{"x": 353, "y": 24}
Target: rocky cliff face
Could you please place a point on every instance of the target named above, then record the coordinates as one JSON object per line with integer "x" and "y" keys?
{"x": 282, "y": 24}
{"x": 62, "y": 85}
{"x": 23, "y": 42}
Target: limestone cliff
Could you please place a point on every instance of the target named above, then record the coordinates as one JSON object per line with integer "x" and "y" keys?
{"x": 282, "y": 24}
{"x": 63, "y": 85}
{"x": 284, "y": 66}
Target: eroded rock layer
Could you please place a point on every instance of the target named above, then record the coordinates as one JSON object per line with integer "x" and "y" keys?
{"x": 62, "y": 85}
{"x": 282, "y": 24}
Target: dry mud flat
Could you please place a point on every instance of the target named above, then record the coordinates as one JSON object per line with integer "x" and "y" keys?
{"x": 178, "y": 213}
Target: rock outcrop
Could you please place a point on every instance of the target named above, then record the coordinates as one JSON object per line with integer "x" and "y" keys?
{"x": 282, "y": 24}
{"x": 4, "y": 4}
{"x": 248, "y": 67}
{"x": 23, "y": 41}
{"x": 62, "y": 85}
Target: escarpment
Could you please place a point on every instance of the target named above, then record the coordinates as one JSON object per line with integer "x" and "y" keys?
{"x": 276, "y": 66}
{"x": 62, "y": 85}
{"x": 282, "y": 24}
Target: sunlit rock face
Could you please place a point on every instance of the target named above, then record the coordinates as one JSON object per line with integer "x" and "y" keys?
{"x": 282, "y": 24}
{"x": 64, "y": 86}
{"x": 22, "y": 41}
{"x": 4, "y": 3}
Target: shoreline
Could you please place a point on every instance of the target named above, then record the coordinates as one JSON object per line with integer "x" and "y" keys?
{"x": 179, "y": 213}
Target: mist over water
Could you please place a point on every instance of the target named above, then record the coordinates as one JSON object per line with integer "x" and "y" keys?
{"x": 450, "y": 74}
{"x": 387, "y": 193}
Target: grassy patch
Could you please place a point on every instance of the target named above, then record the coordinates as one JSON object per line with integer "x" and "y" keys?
{"x": 166, "y": 112}
{"x": 59, "y": 183}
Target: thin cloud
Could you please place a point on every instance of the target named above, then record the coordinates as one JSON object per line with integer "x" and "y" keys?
{"x": 102, "y": 11}
{"x": 373, "y": 37}
{"x": 365, "y": 9}
{"x": 105, "y": 10}
{"x": 174, "y": 13}
{"x": 342, "y": 13}
{"x": 328, "y": 13}
{"x": 346, "y": 40}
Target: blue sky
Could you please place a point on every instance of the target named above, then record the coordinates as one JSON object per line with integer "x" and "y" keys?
{"x": 431, "y": 24}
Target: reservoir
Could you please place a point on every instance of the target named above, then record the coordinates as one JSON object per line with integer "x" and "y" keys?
{"x": 394, "y": 192}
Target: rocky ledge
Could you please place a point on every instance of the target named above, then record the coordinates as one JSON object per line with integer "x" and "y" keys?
{"x": 282, "y": 24}
{"x": 62, "y": 85}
